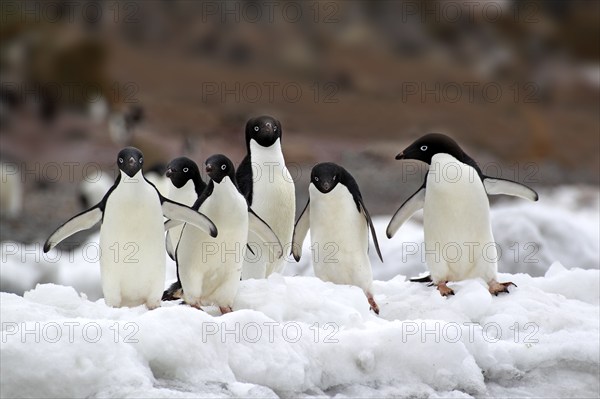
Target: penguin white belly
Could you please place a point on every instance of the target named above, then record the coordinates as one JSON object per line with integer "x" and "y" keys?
{"x": 274, "y": 201}
{"x": 132, "y": 245}
{"x": 339, "y": 238}
{"x": 458, "y": 237}
{"x": 185, "y": 195}
{"x": 210, "y": 268}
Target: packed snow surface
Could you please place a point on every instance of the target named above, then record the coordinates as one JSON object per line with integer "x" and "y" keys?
{"x": 296, "y": 335}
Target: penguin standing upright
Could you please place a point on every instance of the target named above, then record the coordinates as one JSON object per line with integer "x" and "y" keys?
{"x": 185, "y": 186}
{"x": 266, "y": 183}
{"x": 456, "y": 213}
{"x": 132, "y": 259}
{"x": 339, "y": 226}
{"x": 210, "y": 268}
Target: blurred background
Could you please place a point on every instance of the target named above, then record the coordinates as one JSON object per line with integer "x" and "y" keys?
{"x": 515, "y": 82}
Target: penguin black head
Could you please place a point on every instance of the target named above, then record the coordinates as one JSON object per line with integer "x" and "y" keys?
{"x": 181, "y": 170}
{"x": 325, "y": 176}
{"x": 130, "y": 160}
{"x": 218, "y": 167}
{"x": 265, "y": 130}
{"x": 424, "y": 148}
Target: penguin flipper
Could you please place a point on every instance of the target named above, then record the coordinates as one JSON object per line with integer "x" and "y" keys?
{"x": 83, "y": 221}
{"x": 406, "y": 210}
{"x": 495, "y": 186}
{"x": 264, "y": 231}
{"x": 370, "y": 222}
{"x": 169, "y": 224}
{"x": 300, "y": 231}
{"x": 169, "y": 246}
{"x": 176, "y": 211}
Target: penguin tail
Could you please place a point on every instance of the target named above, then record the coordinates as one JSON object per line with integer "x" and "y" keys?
{"x": 423, "y": 279}
{"x": 173, "y": 293}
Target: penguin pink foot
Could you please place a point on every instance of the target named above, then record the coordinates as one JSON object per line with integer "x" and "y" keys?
{"x": 225, "y": 309}
{"x": 495, "y": 287}
{"x": 444, "y": 289}
{"x": 373, "y": 304}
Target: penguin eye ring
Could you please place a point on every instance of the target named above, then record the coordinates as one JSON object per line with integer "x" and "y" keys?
{"x": 423, "y": 148}
{"x": 120, "y": 160}
{"x": 275, "y": 128}
{"x": 223, "y": 167}
{"x": 141, "y": 160}
{"x": 185, "y": 170}
{"x": 316, "y": 179}
{"x": 256, "y": 128}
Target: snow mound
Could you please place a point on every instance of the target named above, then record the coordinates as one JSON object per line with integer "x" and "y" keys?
{"x": 296, "y": 335}
{"x": 301, "y": 336}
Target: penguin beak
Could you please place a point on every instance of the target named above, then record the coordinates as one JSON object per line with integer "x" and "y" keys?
{"x": 268, "y": 129}
{"x": 209, "y": 168}
{"x": 400, "y": 156}
{"x": 169, "y": 173}
{"x": 326, "y": 186}
{"x": 131, "y": 161}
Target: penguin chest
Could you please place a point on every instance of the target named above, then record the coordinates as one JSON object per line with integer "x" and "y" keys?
{"x": 339, "y": 238}
{"x": 131, "y": 242}
{"x": 210, "y": 267}
{"x": 273, "y": 191}
{"x": 185, "y": 195}
{"x": 456, "y": 216}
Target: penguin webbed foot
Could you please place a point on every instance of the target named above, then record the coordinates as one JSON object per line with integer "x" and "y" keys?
{"x": 225, "y": 309}
{"x": 496, "y": 288}
{"x": 444, "y": 289}
{"x": 373, "y": 305}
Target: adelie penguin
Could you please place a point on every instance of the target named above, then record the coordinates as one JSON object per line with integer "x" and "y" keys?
{"x": 210, "y": 268}
{"x": 266, "y": 183}
{"x": 339, "y": 226}
{"x": 185, "y": 186}
{"x": 132, "y": 245}
{"x": 456, "y": 213}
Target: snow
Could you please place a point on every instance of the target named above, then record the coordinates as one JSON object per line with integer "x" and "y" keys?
{"x": 295, "y": 335}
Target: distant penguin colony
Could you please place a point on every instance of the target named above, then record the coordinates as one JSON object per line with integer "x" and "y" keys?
{"x": 237, "y": 226}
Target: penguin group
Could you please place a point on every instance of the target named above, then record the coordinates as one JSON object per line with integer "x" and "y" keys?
{"x": 237, "y": 225}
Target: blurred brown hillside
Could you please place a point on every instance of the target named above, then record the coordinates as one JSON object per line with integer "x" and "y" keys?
{"x": 517, "y": 82}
